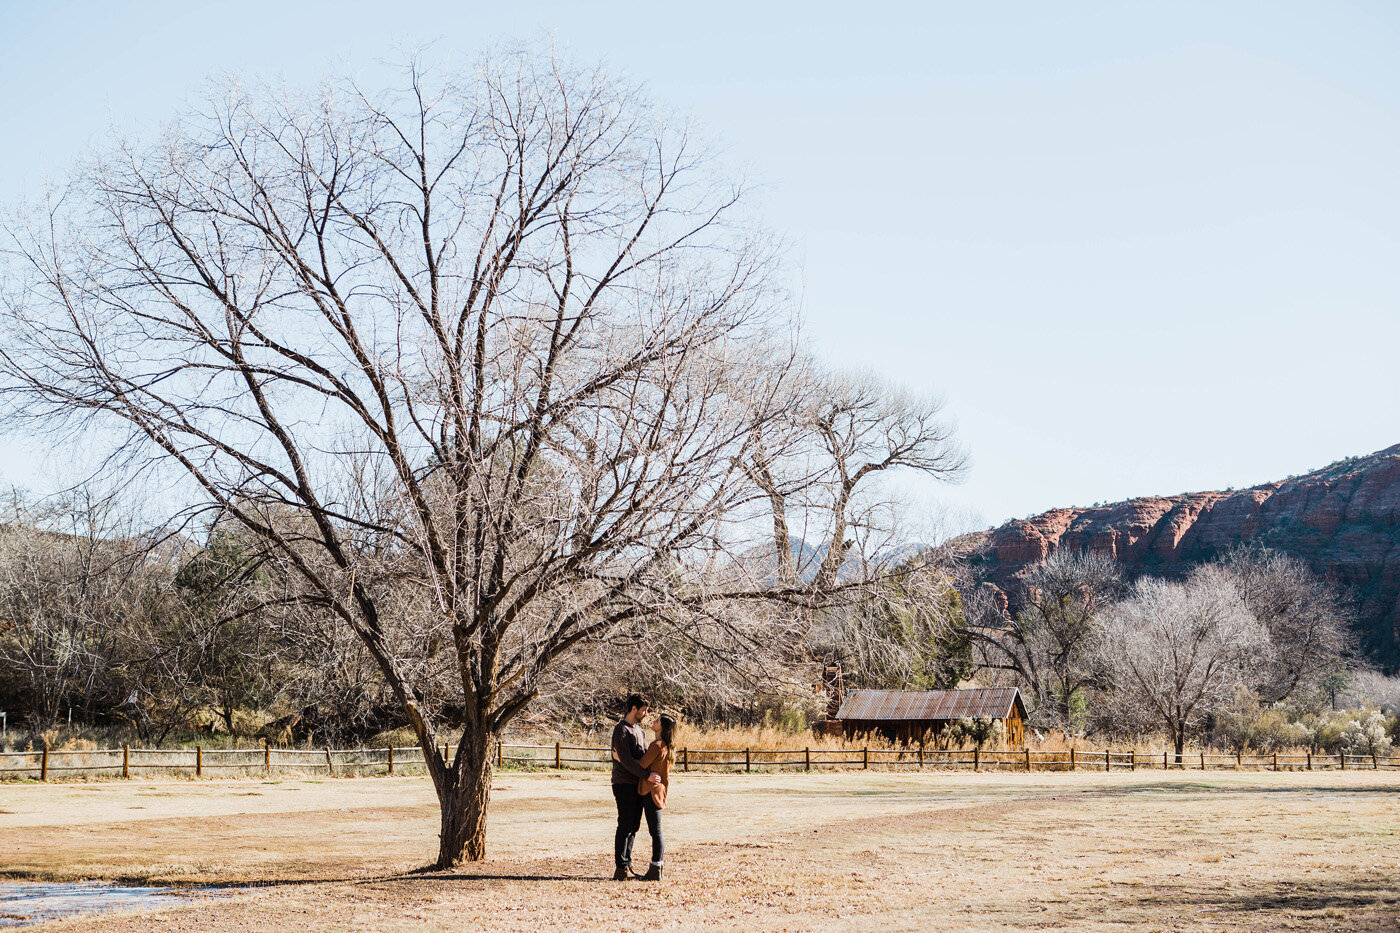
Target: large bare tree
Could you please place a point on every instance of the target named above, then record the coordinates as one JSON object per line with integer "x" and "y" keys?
{"x": 1178, "y": 651}
{"x": 475, "y": 358}
{"x": 1308, "y": 620}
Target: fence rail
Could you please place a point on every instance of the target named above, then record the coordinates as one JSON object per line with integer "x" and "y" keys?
{"x": 127, "y": 762}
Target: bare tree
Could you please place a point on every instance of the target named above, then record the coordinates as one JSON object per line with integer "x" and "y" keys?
{"x": 835, "y": 524}
{"x": 904, "y": 631}
{"x": 711, "y": 669}
{"x": 1051, "y": 642}
{"x": 486, "y": 341}
{"x": 818, "y": 466}
{"x": 1371, "y": 688}
{"x": 864, "y": 427}
{"x": 1308, "y": 620}
{"x": 1178, "y": 651}
{"x": 237, "y": 650}
{"x": 75, "y": 582}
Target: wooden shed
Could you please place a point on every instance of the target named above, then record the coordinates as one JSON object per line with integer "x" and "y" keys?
{"x": 906, "y": 715}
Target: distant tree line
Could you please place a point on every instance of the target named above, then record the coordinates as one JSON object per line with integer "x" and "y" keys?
{"x": 107, "y": 623}
{"x": 1253, "y": 634}
{"x": 115, "y": 625}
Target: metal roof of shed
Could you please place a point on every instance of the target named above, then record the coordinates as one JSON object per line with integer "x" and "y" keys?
{"x": 973, "y": 702}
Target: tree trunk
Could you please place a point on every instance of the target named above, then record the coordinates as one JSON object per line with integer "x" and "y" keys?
{"x": 1180, "y": 739}
{"x": 464, "y": 789}
{"x": 830, "y": 569}
{"x": 1066, "y": 704}
{"x": 782, "y": 538}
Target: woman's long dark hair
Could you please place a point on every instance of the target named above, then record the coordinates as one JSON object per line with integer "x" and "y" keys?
{"x": 668, "y": 735}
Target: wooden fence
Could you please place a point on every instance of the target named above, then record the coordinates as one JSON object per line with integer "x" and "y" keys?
{"x": 201, "y": 762}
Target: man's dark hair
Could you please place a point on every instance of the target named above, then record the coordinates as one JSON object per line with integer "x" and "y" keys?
{"x": 635, "y": 700}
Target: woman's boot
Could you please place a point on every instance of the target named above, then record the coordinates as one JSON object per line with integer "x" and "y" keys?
{"x": 653, "y": 873}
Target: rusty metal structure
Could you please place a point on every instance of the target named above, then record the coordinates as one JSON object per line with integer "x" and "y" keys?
{"x": 910, "y": 715}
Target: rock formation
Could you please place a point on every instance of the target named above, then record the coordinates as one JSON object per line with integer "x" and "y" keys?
{"x": 1343, "y": 520}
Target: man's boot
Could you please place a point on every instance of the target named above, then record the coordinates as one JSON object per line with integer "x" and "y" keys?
{"x": 653, "y": 873}
{"x": 622, "y": 873}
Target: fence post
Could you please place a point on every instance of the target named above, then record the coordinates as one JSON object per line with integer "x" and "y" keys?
{"x": 126, "y": 761}
{"x": 921, "y": 756}
{"x": 1374, "y": 764}
{"x": 198, "y": 761}
{"x": 1275, "y": 761}
{"x": 807, "y": 758}
{"x": 330, "y": 765}
{"x": 1071, "y": 758}
{"x": 747, "y": 769}
{"x": 1309, "y": 759}
{"x": 391, "y": 757}
{"x": 1203, "y": 761}
{"x": 685, "y": 759}
{"x": 1028, "y": 760}
{"x": 865, "y": 757}
{"x": 1132, "y": 760}
{"x": 267, "y": 756}
{"x": 1164, "y": 761}
{"x": 44, "y": 764}
{"x": 977, "y": 759}
{"x": 1342, "y": 758}
{"x": 500, "y": 755}
{"x": 1107, "y": 761}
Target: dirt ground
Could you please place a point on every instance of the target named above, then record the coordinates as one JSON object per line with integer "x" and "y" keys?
{"x": 863, "y": 851}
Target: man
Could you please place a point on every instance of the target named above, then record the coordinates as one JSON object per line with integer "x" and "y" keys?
{"x": 629, "y": 744}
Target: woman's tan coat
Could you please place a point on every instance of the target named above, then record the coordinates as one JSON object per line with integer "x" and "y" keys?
{"x": 656, "y": 761}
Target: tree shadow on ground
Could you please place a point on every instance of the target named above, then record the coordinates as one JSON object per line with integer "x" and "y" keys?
{"x": 499, "y": 876}
{"x": 505, "y": 870}
{"x": 1201, "y": 787}
{"x": 1348, "y": 894}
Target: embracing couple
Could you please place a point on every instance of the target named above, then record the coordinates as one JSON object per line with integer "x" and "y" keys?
{"x": 641, "y": 772}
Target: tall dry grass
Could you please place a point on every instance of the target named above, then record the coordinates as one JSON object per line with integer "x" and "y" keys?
{"x": 757, "y": 738}
{"x": 774, "y": 739}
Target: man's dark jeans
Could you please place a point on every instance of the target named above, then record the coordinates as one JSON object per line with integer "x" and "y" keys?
{"x": 630, "y": 807}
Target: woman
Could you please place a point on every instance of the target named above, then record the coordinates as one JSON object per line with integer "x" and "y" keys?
{"x": 657, "y": 760}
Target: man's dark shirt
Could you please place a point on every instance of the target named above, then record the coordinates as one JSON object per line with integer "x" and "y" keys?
{"x": 630, "y": 743}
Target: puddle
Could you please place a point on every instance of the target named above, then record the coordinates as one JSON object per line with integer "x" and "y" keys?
{"x": 26, "y": 902}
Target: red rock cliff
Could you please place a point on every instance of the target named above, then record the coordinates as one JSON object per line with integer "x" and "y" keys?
{"x": 1344, "y": 520}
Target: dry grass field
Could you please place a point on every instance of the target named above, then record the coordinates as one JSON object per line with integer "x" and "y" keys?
{"x": 854, "y": 851}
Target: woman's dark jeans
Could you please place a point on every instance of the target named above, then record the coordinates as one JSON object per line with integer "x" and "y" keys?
{"x": 653, "y": 814}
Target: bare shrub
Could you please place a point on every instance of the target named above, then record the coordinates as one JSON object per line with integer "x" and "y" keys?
{"x": 1369, "y": 688}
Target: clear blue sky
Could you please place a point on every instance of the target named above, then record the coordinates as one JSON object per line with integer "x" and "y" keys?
{"x": 1142, "y": 248}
